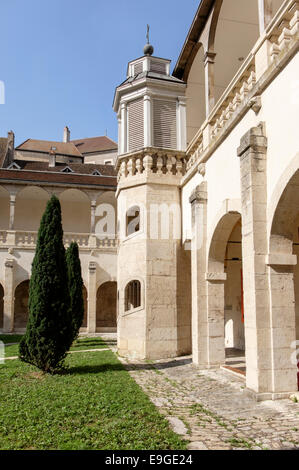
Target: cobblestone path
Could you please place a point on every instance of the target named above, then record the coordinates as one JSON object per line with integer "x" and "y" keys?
{"x": 209, "y": 408}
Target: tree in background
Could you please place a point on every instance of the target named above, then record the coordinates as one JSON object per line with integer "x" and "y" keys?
{"x": 49, "y": 332}
{"x": 75, "y": 284}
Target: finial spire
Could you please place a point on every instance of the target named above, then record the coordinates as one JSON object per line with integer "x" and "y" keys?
{"x": 148, "y": 48}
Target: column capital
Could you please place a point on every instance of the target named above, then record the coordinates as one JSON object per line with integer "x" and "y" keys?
{"x": 92, "y": 267}
{"x": 209, "y": 57}
{"x": 9, "y": 263}
{"x": 216, "y": 277}
{"x": 199, "y": 194}
{"x": 255, "y": 140}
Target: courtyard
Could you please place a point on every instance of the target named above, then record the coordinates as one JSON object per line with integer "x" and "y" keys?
{"x": 106, "y": 402}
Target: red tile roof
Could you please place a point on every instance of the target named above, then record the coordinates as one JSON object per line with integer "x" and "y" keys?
{"x": 44, "y": 146}
{"x": 78, "y": 168}
{"x": 95, "y": 144}
{"x": 109, "y": 182}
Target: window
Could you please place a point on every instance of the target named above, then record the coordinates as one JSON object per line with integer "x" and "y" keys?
{"x": 132, "y": 295}
{"x": 108, "y": 162}
{"x": 164, "y": 124}
{"x": 67, "y": 169}
{"x": 13, "y": 166}
{"x": 135, "y": 124}
{"x": 96, "y": 173}
{"x": 133, "y": 220}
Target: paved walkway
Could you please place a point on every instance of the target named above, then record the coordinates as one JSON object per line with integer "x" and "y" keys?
{"x": 210, "y": 409}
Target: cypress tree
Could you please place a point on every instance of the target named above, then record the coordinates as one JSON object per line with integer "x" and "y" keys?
{"x": 75, "y": 284}
{"x": 49, "y": 329}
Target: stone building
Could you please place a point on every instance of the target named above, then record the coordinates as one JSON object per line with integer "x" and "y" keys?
{"x": 207, "y": 196}
{"x": 202, "y": 258}
{"x": 30, "y": 174}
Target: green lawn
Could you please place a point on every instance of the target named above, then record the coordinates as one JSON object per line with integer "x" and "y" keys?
{"x": 80, "y": 344}
{"x": 95, "y": 405}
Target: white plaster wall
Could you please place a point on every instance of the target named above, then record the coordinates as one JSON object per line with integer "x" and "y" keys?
{"x": 222, "y": 175}
{"x": 280, "y": 111}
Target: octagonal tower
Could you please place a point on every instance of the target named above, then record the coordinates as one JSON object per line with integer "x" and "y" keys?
{"x": 154, "y": 298}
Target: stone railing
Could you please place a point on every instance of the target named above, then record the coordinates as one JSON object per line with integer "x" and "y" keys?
{"x": 27, "y": 239}
{"x": 3, "y": 236}
{"x": 81, "y": 238}
{"x": 151, "y": 161}
{"x": 106, "y": 242}
{"x": 233, "y": 100}
{"x": 242, "y": 93}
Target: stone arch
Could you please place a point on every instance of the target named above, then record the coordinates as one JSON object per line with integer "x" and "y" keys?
{"x": 75, "y": 210}
{"x": 4, "y": 208}
{"x": 284, "y": 280}
{"x": 224, "y": 286}
{"x": 280, "y": 214}
{"x": 84, "y": 292}
{"x": 30, "y": 205}
{"x": 222, "y": 227}
{"x": 106, "y": 317}
{"x": 133, "y": 220}
{"x": 1, "y": 305}
{"x": 21, "y": 305}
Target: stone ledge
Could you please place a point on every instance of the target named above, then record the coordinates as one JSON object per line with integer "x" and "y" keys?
{"x": 281, "y": 259}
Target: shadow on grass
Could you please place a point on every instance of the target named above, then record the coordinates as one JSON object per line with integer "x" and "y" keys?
{"x": 97, "y": 369}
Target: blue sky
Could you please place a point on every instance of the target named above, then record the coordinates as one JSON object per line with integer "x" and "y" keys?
{"x": 62, "y": 59}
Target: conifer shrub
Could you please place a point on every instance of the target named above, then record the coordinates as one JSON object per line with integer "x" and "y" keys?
{"x": 75, "y": 284}
{"x": 49, "y": 332}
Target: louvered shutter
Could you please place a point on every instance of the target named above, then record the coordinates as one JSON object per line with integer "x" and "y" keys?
{"x": 158, "y": 67}
{"x": 138, "y": 68}
{"x": 164, "y": 116}
{"x": 135, "y": 125}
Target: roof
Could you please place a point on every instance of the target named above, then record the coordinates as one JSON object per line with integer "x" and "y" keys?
{"x": 95, "y": 144}
{"x": 3, "y": 149}
{"x": 155, "y": 75}
{"x": 191, "y": 45}
{"x": 44, "y": 146}
{"x": 78, "y": 168}
{"x": 57, "y": 178}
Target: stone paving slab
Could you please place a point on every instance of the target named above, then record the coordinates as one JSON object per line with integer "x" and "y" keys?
{"x": 209, "y": 408}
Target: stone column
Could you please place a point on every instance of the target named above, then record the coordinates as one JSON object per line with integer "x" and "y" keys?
{"x": 283, "y": 323}
{"x": 265, "y": 13}
{"x": 92, "y": 298}
{"x": 8, "y": 310}
{"x": 93, "y": 206}
{"x": 147, "y": 121}
{"x": 12, "y": 203}
{"x": 215, "y": 319}
{"x": 209, "y": 61}
{"x": 253, "y": 166}
{"x": 123, "y": 140}
{"x": 181, "y": 123}
{"x": 198, "y": 200}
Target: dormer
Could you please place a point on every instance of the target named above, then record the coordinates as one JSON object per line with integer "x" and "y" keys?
{"x": 150, "y": 105}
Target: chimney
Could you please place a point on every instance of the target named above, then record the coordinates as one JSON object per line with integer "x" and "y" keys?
{"x": 66, "y": 134}
{"x": 52, "y": 157}
{"x": 10, "y": 147}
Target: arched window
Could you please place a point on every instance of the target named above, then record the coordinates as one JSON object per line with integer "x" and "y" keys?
{"x": 133, "y": 220}
{"x": 132, "y": 295}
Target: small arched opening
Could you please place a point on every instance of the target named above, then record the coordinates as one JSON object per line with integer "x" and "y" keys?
{"x": 21, "y": 305}
{"x": 106, "y": 306}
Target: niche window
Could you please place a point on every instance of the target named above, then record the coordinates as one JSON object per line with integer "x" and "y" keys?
{"x": 133, "y": 220}
{"x": 132, "y": 295}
